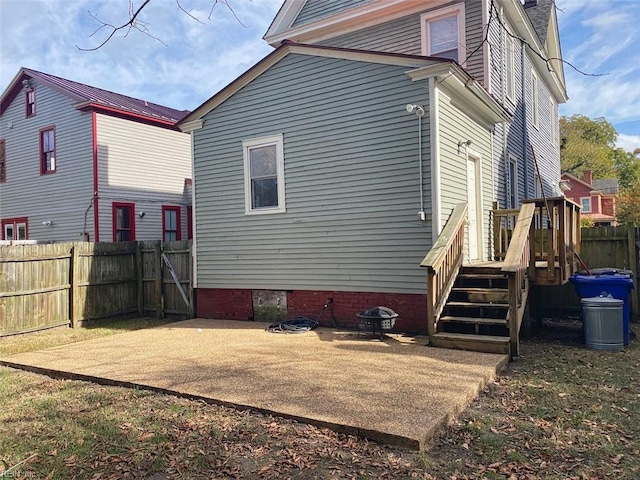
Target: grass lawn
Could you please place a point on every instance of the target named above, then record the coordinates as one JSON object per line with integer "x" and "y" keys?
{"x": 560, "y": 412}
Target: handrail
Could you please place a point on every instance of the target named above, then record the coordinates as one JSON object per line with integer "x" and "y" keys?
{"x": 443, "y": 263}
{"x": 515, "y": 266}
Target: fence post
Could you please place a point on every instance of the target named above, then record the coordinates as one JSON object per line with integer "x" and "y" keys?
{"x": 158, "y": 280}
{"x": 73, "y": 290}
{"x": 633, "y": 262}
{"x": 139, "y": 279}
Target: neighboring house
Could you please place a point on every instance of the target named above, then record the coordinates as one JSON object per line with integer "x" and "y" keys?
{"x": 329, "y": 169}
{"x": 596, "y": 197}
{"x": 79, "y": 162}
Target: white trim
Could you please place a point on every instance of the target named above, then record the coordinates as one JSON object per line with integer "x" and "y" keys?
{"x": 434, "y": 129}
{"x": 353, "y": 19}
{"x": 510, "y": 75}
{"x": 426, "y": 18}
{"x": 486, "y": 47}
{"x": 476, "y": 158}
{"x": 285, "y": 17}
{"x": 278, "y": 142}
{"x": 190, "y": 126}
{"x": 554, "y": 121}
{"x": 512, "y": 183}
{"x": 584, "y": 210}
{"x": 194, "y": 229}
{"x": 535, "y": 107}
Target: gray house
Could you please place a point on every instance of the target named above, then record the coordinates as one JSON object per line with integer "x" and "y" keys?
{"x": 329, "y": 169}
{"x": 81, "y": 163}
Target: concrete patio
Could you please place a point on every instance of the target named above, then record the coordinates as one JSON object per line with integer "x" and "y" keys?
{"x": 396, "y": 391}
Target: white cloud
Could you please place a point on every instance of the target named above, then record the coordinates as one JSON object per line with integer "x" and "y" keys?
{"x": 628, "y": 142}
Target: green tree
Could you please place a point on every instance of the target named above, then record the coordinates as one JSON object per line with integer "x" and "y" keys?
{"x": 628, "y": 206}
{"x": 587, "y": 145}
{"x": 627, "y": 167}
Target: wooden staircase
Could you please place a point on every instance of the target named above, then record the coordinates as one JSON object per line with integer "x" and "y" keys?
{"x": 475, "y": 316}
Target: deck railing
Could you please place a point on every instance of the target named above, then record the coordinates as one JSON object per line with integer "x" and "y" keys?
{"x": 443, "y": 263}
{"x": 516, "y": 263}
{"x": 554, "y": 239}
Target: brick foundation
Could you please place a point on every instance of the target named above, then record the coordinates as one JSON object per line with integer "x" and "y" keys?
{"x": 236, "y": 304}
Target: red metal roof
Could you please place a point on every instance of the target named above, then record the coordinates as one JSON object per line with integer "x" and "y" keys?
{"x": 97, "y": 98}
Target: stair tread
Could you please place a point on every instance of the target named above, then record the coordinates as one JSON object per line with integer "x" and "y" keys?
{"x": 472, "y": 337}
{"x": 478, "y": 304}
{"x": 484, "y": 321}
{"x": 480, "y": 276}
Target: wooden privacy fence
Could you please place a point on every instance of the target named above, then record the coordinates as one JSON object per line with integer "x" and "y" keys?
{"x": 616, "y": 247}
{"x": 49, "y": 285}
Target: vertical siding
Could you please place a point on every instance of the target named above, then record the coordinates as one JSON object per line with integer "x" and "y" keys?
{"x": 456, "y": 125}
{"x": 351, "y": 179}
{"x": 61, "y": 197}
{"x": 317, "y": 9}
{"x": 145, "y": 165}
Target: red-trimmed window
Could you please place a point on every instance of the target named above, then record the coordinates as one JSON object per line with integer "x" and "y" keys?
{"x": 124, "y": 225}
{"x": 3, "y": 161}
{"x": 189, "y": 222}
{"x": 15, "y": 228}
{"x": 171, "y": 223}
{"x": 30, "y": 102}
{"x": 48, "y": 150}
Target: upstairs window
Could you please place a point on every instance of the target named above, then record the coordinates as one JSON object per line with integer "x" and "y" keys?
{"x": 3, "y": 161}
{"x": 171, "y": 224}
{"x": 47, "y": 150}
{"x": 585, "y": 203}
{"x": 124, "y": 227}
{"x": 264, "y": 175}
{"x": 513, "y": 182}
{"x": 509, "y": 68}
{"x": 30, "y": 102}
{"x": 443, "y": 33}
{"x": 554, "y": 122}
{"x": 534, "y": 100}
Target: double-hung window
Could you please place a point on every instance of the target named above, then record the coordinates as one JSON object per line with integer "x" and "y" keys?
{"x": 124, "y": 226}
{"x": 443, "y": 33}
{"x": 510, "y": 67}
{"x": 48, "y": 150}
{"x": 585, "y": 203}
{"x": 171, "y": 223}
{"x": 513, "y": 182}
{"x": 15, "y": 228}
{"x": 264, "y": 175}
{"x": 30, "y": 102}
{"x": 534, "y": 100}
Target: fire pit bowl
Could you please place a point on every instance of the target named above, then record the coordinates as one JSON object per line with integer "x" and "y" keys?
{"x": 377, "y": 318}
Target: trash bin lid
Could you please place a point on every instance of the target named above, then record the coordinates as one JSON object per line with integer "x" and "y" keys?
{"x": 613, "y": 278}
{"x": 607, "y": 300}
{"x": 606, "y": 271}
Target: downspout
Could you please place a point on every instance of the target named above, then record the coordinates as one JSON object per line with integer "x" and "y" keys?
{"x": 96, "y": 219}
{"x": 421, "y": 213}
{"x": 436, "y": 219}
{"x": 525, "y": 130}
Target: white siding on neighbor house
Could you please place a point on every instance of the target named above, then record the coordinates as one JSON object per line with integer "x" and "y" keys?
{"x": 317, "y": 9}
{"x": 456, "y": 126}
{"x": 144, "y": 165}
{"x": 351, "y": 181}
{"x": 60, "y": 197}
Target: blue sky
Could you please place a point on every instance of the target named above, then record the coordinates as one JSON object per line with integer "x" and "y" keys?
{"x": 198, "y": 59}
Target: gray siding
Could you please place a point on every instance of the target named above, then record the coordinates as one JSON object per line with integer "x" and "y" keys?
{"x": 144, "y": 165}
{"x": 351, "y": 175}
{"x": 61, "y": 197}
{"x": 317, "y": 9}
{"x": 403, "y": 35}
{"x": 456, "y": 125}
{"x": 397, "y": 36}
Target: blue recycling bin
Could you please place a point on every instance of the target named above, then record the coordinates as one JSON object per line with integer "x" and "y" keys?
{"x": 618, "y": 283}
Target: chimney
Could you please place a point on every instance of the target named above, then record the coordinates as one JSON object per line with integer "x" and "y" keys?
{"x": 530, "y": 3}
{"x": 586, "y": 177}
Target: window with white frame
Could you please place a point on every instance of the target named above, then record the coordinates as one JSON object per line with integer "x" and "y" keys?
{"x": 554, "y": 122}
{"x": 585, "y": 203}
{"x": 510, "y": 68}
{"x": 534, "y": 99}
{"x": 443, "y": 33}
{"x": 512, "y": 182}
{"x": 264, "y": 175}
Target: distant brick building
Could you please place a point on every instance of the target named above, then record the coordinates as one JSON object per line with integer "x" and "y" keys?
{"x": 596, "y": 197}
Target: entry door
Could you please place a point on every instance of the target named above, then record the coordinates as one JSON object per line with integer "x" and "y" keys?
{"x": 474, "y": 212}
